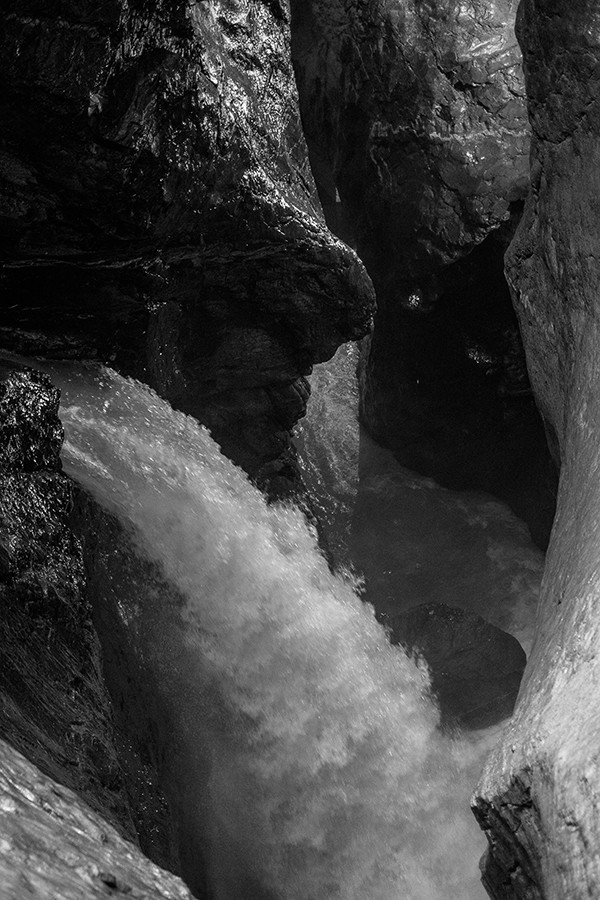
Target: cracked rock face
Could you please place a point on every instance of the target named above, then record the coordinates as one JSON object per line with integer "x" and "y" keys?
{"x": 158, "y": 211}
{"x": 53, "y": 845}
{"x": 539, "y": 798}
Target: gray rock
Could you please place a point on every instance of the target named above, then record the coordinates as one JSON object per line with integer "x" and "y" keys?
{"x": 52, "y": 845}
{"x": 415, "y": 118}
{"x": 31, "y": 433}
{"x": 55, "y": 706}
{"x": 475, "y": 667}
{"x": 416, "y": 122}
{"x": 157, "y": 209}
{"x": 539, "y": 798}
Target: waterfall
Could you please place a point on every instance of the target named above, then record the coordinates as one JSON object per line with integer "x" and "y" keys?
{"x": 312, "y": 750}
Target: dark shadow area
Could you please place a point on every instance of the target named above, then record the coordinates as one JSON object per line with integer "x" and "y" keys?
{"x": 444, "y": 384}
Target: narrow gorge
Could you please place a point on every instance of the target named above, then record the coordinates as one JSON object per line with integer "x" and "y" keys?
{"x": 298, "y": 516}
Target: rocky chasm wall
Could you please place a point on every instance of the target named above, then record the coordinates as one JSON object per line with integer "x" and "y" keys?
{"x": 539, "y": 800}
{"x": 157, "y": 210}
{"x": 80, "y": 790}
{"x": 416, "y": 122}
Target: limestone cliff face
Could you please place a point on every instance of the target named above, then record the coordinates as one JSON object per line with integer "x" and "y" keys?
{"x": 157, "y": 209}
{"x": 417, "y": 126}
{"x": 539, "y": 799}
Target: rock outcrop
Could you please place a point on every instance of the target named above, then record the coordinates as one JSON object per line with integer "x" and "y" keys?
{"x": 416, "y": 122}
{"x": 476, "y": 668}
{"x": 157, "y": 209}
{"x": 53, "y": 845}
{"x": 55, "y": 707}
{"x": 67, "y": 697}
{"x": 539, "y": 798}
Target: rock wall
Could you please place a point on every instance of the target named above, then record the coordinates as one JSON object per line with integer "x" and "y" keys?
{"x": 416, "y": 120}
{"x": 54, "y": 845}
{"x": 71, "y": 699}
{"x": 55, "y": 707}
{"x": 539, "y": 798}
{"x": 157, "y": 209}
{"x": 417, "y": 127}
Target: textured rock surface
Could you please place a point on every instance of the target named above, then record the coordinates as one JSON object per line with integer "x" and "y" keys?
{"x": 157, "y": 209}
{"x": 133, "y": 613}
{"x": 476, "y": 668}
{"x": 416, "y": 121}
{"x": 539, "y": 799}
{"x": 54, "y": 705}
{"x": 54, "y": 846}
{"x": 415, "y": 115}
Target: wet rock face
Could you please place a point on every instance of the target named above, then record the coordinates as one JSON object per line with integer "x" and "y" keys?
{"x": 416, "y": 122}
{"x": 475, "y": 667}
{"x": 415, "y": 115}
{"x": 55, "y": 708}
{"x": 158, "y": 211}
{"x": 538, "y": 800}
{"x": 54, "y": 845}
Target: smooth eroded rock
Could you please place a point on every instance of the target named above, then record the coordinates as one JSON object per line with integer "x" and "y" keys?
{"x": 539, "y": 797}
{"x": 53, "y": 845}
{"x": 475, "y": 667}
{"x": 416, "y": 122}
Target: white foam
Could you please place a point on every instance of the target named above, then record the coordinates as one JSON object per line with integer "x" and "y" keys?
{"x": 311, "y": 746}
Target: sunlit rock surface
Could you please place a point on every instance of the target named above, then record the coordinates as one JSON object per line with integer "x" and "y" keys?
{"x": 539, "y": 799}
{"x": 53, "y": 845}
{"x": 157, "y": 209}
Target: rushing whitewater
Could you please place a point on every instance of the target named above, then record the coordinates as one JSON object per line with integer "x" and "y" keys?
{"x": 314, "y": 766}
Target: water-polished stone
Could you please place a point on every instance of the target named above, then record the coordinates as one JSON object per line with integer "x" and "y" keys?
{"x": 475, "y": 667}
{"x": 53, "y": 845}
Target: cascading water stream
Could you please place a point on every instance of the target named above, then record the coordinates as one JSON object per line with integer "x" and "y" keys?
{"x": 314, "y": 765}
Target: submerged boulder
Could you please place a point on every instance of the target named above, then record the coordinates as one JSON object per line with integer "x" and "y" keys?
{"x": 475, "y": 667}
{"x": 157, "y": 210}
{"x": 539, "y": 798}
